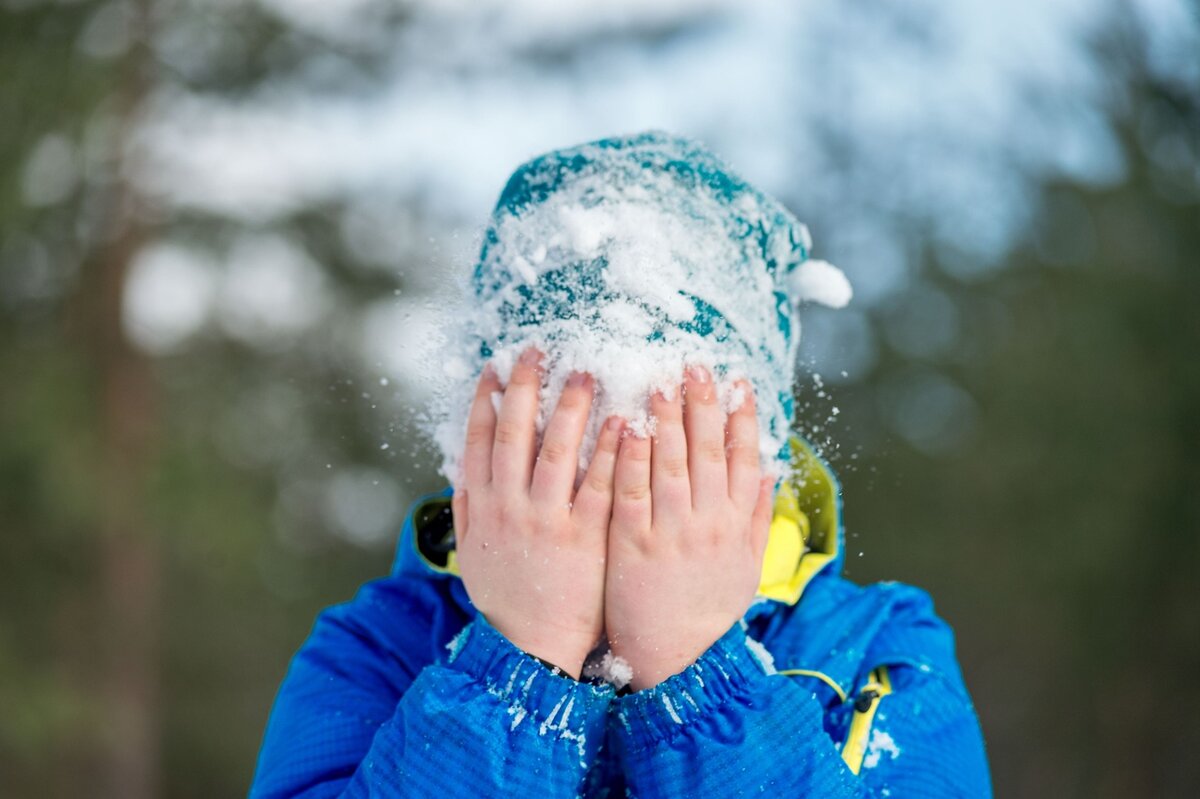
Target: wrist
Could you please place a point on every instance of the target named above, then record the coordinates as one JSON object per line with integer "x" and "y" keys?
{"x": 662, "y": 658}
{"x": 567, "y": 657}
{"x": 726, "y": 672}
{"x": 647, "y": 674}
{"x": 556, "y": 669}
{"x": 651, "y": 667}
{"x": 569, "y": 666}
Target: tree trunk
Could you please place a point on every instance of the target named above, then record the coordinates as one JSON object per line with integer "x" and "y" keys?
{"x": 126, "y": 665}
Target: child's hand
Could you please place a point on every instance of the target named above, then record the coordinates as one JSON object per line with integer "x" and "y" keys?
{"x": 532, "y": 550}
{"x": 689, "y": 527}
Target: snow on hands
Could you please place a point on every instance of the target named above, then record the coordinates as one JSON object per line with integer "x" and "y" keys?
{"x": 690, "y": 516}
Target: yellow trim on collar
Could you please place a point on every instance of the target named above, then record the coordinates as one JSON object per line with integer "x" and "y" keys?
{"x": 804, "y": 530}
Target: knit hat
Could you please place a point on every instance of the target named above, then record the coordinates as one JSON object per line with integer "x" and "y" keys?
{"x": 630, "y": 258}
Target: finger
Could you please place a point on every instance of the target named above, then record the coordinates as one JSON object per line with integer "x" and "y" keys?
{"x": 631, "y": 485}
{"x": 669, "y": 483}
{"x": 558, "y": 459}
{"x": 760, "y": 520}
{"x": 481, "y": 425}
{"x": 741, "y": 445}
{"x": 704, "y": 423}
{"x": 512, "y": 452}
{"x": 594, "y": 499}
{"x": 458, "y": 513}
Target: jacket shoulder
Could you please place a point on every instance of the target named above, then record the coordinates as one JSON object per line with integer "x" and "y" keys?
{"x": 840, "y": 631}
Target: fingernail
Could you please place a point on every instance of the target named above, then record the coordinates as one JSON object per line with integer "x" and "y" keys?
{"x": 530, "y": 357}
{"x": 614, "y": 423}
{"x": 577, "y": 379}
{"x": 489, "y": 371}
{"x": 699, "y": 374}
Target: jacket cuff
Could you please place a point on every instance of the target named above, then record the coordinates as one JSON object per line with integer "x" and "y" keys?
{"x": 533, "y": 694}
{"x": 726, "y": 670}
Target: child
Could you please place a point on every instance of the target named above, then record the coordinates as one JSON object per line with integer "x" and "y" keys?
{"x": 632, "y": 587}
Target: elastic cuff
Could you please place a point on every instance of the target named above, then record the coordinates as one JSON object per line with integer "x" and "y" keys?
{"x": 534, "y": 694}
{"x": 726, "y": 670}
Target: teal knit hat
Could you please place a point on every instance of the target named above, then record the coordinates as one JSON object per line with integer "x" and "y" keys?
{"x": 631, "y": 257}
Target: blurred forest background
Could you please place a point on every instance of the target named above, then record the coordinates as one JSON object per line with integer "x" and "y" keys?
{"x": 227, "y": 230}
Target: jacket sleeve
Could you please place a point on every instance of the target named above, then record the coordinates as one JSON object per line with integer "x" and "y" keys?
{"x": 729, "y": 726}
{"x": 359, "y": 715}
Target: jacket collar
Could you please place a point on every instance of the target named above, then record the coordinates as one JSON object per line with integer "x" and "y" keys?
{"x": 806, "y": 531}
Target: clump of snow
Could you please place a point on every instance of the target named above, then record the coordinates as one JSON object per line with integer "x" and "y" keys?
{"x": 762, "y": 655}
{"x": 517, "y": 704}
{"x": 633, "y": 274}
{"x": 613, "y": 669}
{"x": 880, "y": 744}
{"x": 455, "y": 643}
{"x": 666, "y": 700}
{"x": 560, "y": 725}
{"x": 821, "y": 281}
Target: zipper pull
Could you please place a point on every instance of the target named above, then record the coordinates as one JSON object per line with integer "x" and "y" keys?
{"x": 863, "y": 701}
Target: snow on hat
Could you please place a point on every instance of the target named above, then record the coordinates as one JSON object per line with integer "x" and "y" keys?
{"x": 630, "y": 258}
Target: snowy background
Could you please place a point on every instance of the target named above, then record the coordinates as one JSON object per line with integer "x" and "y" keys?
{"x": 229, "y": 232}
{"x": 878, "y": 126}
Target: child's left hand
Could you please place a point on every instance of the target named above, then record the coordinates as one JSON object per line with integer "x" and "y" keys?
{"x": 691, "y": 512}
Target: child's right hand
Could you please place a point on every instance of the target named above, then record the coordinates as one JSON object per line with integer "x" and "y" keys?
{"x": 530, "y": 548}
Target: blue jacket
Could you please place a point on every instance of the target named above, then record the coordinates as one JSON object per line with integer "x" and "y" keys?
{"x": 825, "y": 689}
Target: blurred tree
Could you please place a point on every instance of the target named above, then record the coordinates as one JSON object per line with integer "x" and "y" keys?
{"x": 150, "y": 579}
{"x": 1052, "y": 508}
